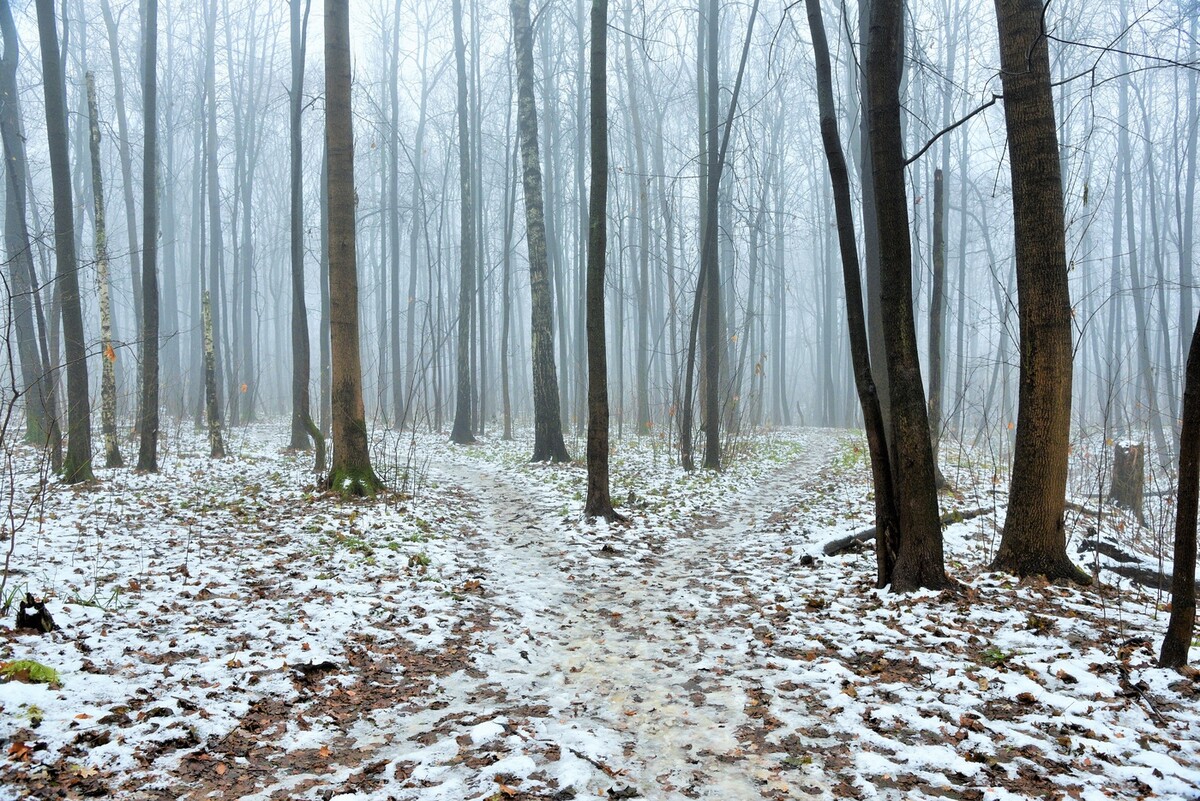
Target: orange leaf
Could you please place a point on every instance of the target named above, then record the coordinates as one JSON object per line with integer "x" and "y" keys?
{"x": 109, "y": 353}
{"x": 220, "y": 768}
{"x": 19, "y": 751}
{"x": 324, "y": 752}
{"x": 244, "y": 388}
{"x": 506, "y": 790}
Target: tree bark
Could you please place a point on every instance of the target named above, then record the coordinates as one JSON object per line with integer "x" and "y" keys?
{"x": 885, "y": 503}
{"x": 351, "y": 472}
{"x": 108, "y": 376}
{"x": 303, "y": 427}
{"x": 1182, "y": 623}
{"x": 548, "y": 444}
{"x": 462, "y": 432}
{"x": 1034, "y": 539}
{"x": 598, "y": 502}
{"x": 937, "y": 321}
{"x": 149, "y": 345}
{"x": 77, "y": 466}
{"x": 41, "y": 426}
{"x": 919, "y": 557}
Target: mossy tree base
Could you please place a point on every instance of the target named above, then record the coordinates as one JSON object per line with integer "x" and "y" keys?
{"x": 1028, "y": 564}
{"x": 354, "y": 481}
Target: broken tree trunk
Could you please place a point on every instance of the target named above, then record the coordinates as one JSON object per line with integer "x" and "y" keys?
{"x": 843, "y": 544}
{"x": 1128, "y": 487}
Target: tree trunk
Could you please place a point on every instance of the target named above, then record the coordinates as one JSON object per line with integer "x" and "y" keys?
{"x": 598, "y": 502}
{"x": 41, "y": 426}
{"x": 1034, "y": 540}
{"x": 77, "y": 465}
{"x": 302, "y": 423}
{"x": 919, "y": 557}
{"x": 937, "y": 321}
{"x": 885, "y": 506}
{"x": 216, "y": 441}
{"x": 123, "y": 149}
{"x": 1178, "y": 638}
{"x": 108, "y": 377}
{"x": 148, "y": 425}
{"x": 1128, "y": 487}
{"x": 548, "y": 442}
{"x": 462, "y": 432}
{"x": 351, "y": 472}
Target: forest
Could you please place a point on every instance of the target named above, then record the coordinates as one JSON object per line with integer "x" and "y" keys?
{"x": 672, "y": 399}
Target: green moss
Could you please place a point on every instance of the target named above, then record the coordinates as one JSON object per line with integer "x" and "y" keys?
{"x": 30, "y": 672}
{"x": 355, "y": 482}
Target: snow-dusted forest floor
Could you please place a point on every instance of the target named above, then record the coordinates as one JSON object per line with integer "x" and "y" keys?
{"x": 228, "y": 633}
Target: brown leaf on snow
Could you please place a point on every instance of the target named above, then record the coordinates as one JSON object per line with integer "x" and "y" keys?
{"x": 19, "y": 751}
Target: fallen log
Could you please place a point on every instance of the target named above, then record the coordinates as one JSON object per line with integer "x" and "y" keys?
{"x": 858, "y": 538}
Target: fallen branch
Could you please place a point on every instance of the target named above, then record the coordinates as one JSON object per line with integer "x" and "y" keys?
{"x": 858, "y": 538}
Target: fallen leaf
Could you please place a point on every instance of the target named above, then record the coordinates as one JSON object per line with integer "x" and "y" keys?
{"x": 220, "y": 768}
{"x": 19, "y": 751}
{"x": 324, "y": 752}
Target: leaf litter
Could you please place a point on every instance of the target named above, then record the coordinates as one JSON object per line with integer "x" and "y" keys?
{"x": 226, "y": 632}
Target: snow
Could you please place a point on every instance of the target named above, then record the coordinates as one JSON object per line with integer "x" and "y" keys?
{"x": 227, "y": 631}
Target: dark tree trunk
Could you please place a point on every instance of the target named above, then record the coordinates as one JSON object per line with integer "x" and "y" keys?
{"x": 919, "y": 558}
{"x": 462, "y": 432}
{"x": 598, "y": 502}
{"x": 548, "y": 442}
{"x": 885, "y": 506}
{"x": 41, "y": 426}
{"x": 77, "y": 466}
{"x": 937, "y": 321}
{"x": 1128, "y": 488}
{"x": 1183, "y": 579}
{"x": 351, "y": 472}
{"x": 1034, "y": 540}
{"x": 302, "y": 423}
{"x": 148, "y": 425}
{"x": 216, "y": 441}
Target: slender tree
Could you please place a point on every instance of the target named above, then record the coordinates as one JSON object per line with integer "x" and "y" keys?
{"x": 351, "y": 472}
{"x": 1178, "y": 639}
{"x": 302, "y": 423}
{"x": 41, "y": 426}
{"x": 1034, "y": 540}
{"x": 148, "y": 426}
{"x": 77, "y": 466}
{"x": 108, "y": 377}
{"x": 886, "y": 524}
{"x": 937, "y": 320}
{"x": 919, "y": 560}
{"x": 598, "y": 502}
{"x": 548, "y": 442}
{"x": 462, "y": 432}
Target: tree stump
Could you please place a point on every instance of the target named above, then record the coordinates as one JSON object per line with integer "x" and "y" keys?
{"x": 1129, "y": 476}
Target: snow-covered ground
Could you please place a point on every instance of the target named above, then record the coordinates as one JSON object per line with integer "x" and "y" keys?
{"x": 226, "y": 632}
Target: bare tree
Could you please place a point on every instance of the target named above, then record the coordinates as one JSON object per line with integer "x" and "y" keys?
{"x": 77, "y": 466}
{"x": 548, "y": 442}
{"x": 351, "y": 472}
{"x": 462, "y": 431}
{"x": 919, "y": 560}
{"x": 1034, "y": 540}
{"x": 598, "y": 502}
{"x": 148, "y": 425}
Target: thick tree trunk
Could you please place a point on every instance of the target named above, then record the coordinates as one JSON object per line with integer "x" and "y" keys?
{"x": 77, "y": 466}
{"x": 548, "y": 442}
{"x": 881, "y": 472}
{"x": 108, "y": 375}
{"x": 351, "y": 472}
{"x": 1034, "y": 540}
{"x": 1178, "y": 638}
{"x": 919, "y": 557}
{"x": 462, "y": 432}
